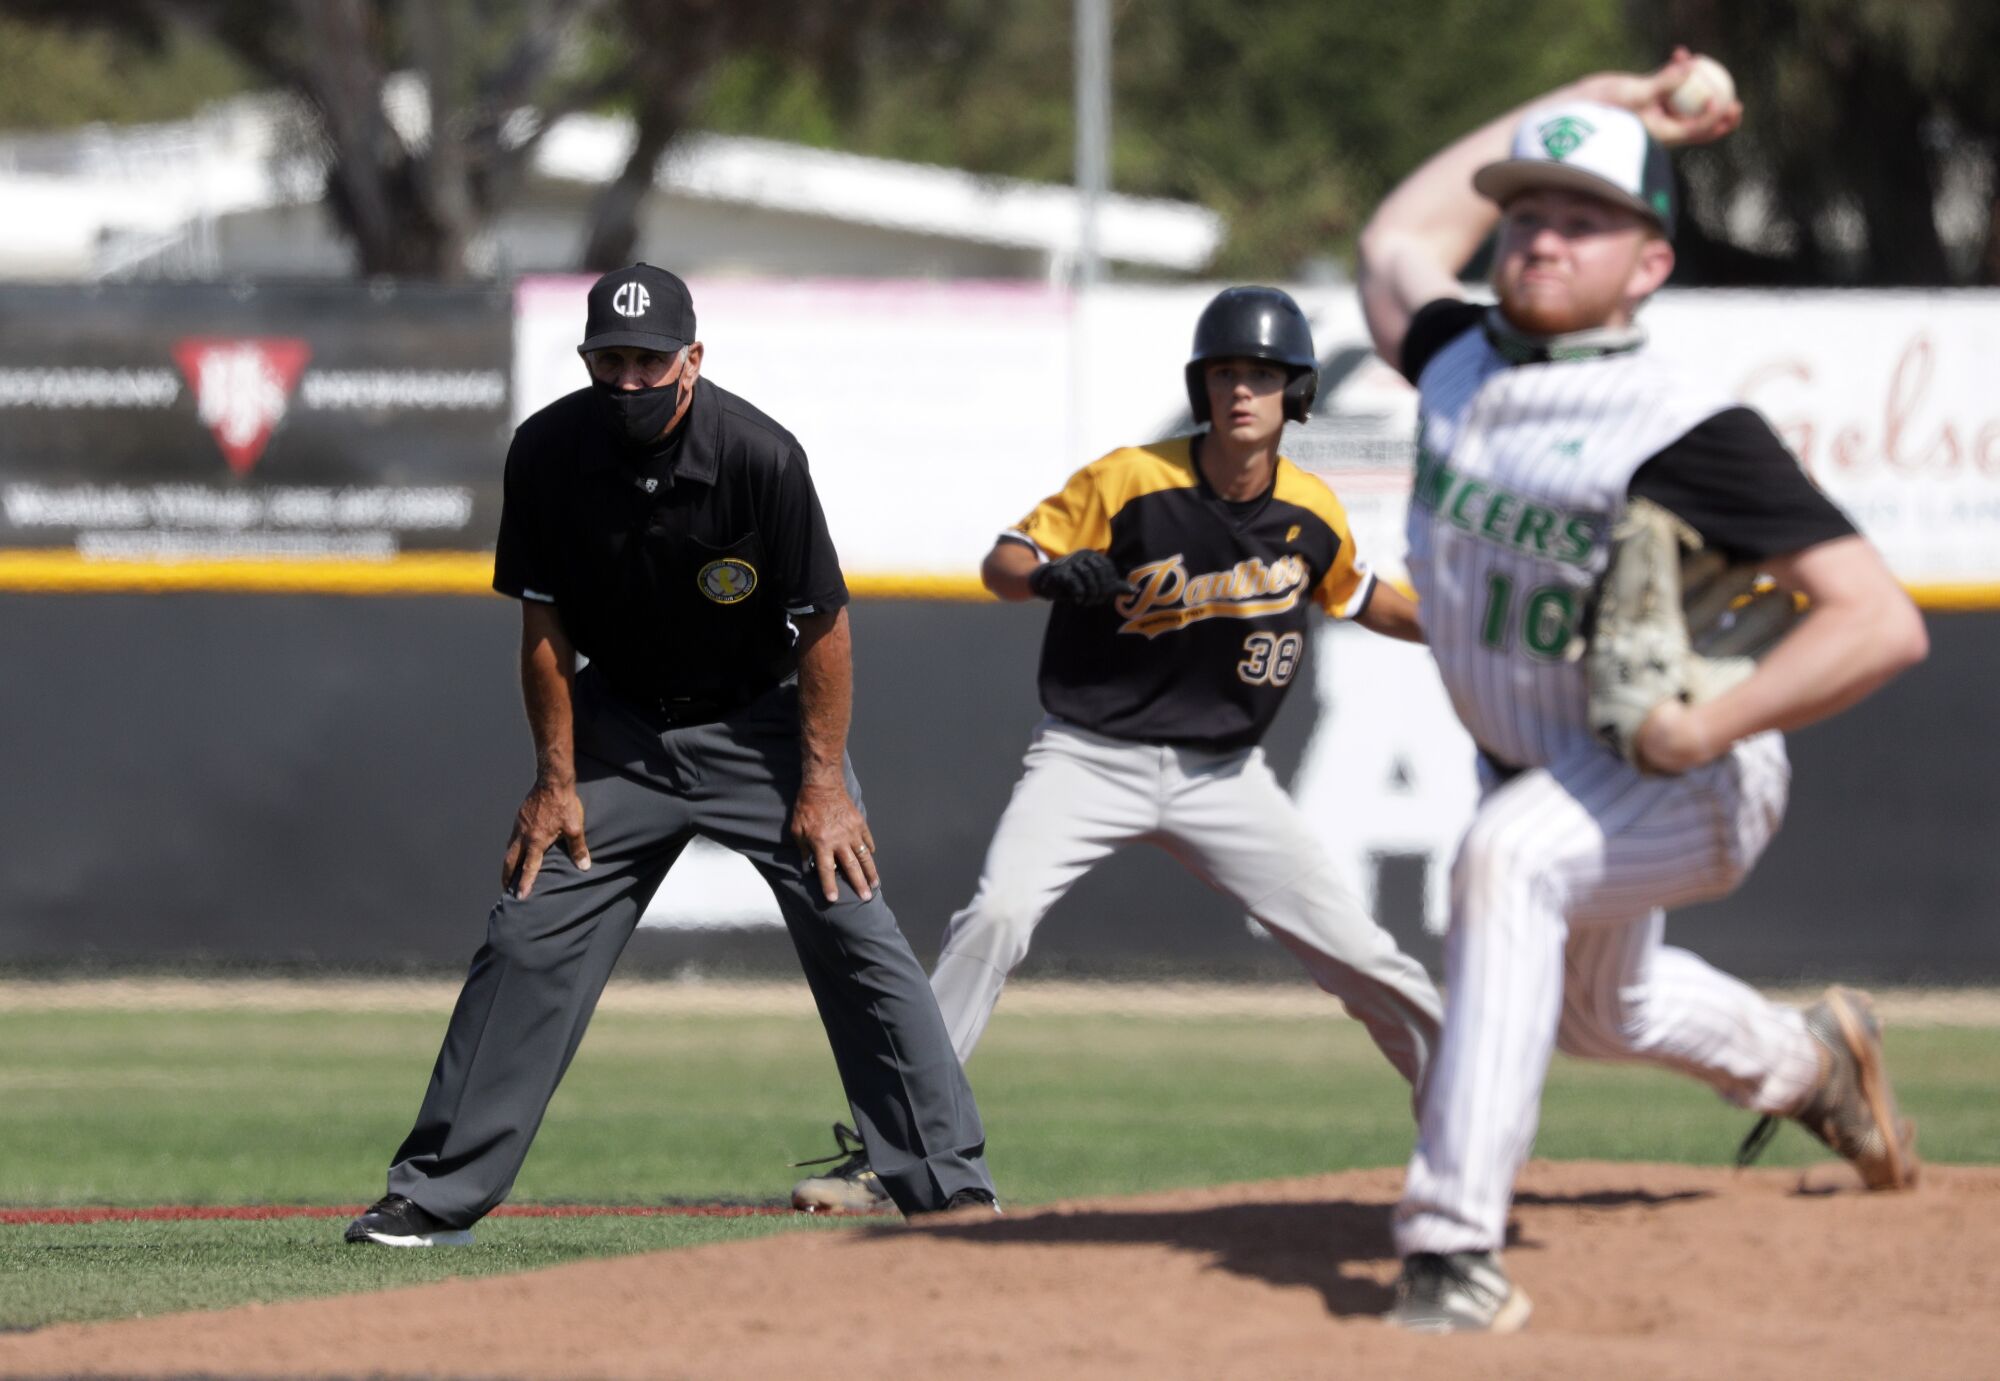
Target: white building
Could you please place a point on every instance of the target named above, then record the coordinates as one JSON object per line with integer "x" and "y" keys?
{"x": 235, "y": 192}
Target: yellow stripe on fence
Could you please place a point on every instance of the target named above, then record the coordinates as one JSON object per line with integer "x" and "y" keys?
{"x": 964, "y": 587}
{"x": 1946, "y": 598}
{"x": 63, "y": 571}
{"x": 53, "y": 570}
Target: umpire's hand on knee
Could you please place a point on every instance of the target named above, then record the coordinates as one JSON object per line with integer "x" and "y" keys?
{"x": 551, "y": 811}
{"x": 830, "y": 832}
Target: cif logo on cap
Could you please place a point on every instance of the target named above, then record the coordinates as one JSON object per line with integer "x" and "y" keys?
{"x": 631, "y": 299}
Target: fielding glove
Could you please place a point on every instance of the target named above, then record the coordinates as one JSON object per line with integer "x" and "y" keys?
{"x": 1672, "y": 620}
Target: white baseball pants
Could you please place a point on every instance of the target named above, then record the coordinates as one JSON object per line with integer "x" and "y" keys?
{"x": 1226, "y": 818}
{"x": 1557, "y": 912}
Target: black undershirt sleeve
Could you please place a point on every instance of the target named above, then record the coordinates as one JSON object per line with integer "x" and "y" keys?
{"x": 1732, "y": 480}
{"x": 1436, "y": 325}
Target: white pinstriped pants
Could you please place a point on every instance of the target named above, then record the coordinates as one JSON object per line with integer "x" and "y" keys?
{"x": 1558, "y": 907}
{"x": 1230, "y": 823}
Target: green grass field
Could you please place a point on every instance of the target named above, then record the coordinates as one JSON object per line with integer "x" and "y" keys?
{"x": 221, "y": 1107}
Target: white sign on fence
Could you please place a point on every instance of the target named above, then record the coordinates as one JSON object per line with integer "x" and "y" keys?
{"x": 935, "y": 413}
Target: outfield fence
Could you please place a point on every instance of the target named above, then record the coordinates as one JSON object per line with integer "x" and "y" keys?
{"x": 258, "y": 714}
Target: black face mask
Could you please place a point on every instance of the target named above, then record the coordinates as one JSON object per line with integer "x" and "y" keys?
{"x": 640, "y": 415}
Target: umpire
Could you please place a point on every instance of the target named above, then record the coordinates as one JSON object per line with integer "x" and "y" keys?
{"x": 669, "y": 532}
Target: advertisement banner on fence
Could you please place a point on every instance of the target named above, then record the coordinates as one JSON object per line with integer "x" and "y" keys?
{"x": 1888, "y": 399}
{"x": 187, "y": 423}
{"x": 149, "y": 426}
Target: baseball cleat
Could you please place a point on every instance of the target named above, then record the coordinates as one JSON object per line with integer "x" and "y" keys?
{"x": 1854, "y": 1110}
{"x": 1457, "y": 1292}
{"x": 849, "y": 1187}
{"x": 394, "y": 1221}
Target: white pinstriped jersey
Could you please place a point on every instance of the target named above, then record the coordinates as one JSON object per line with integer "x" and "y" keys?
{"x": 1521, "y": 471}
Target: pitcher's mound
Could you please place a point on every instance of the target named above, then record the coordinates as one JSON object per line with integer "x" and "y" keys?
{"x": 1635, "y": 1271}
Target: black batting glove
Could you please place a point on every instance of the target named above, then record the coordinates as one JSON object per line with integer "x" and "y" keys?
{"x": 1084, "y": 577}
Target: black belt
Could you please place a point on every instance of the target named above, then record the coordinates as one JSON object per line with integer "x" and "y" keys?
{"x": 697, "y": 709}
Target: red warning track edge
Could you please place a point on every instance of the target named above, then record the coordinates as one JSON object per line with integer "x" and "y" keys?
{"x": 169, "y": 1213}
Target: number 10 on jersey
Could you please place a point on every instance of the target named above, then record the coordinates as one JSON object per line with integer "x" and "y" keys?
{"x": 1270, "y": 659}
{"x": 1547, "y": 618}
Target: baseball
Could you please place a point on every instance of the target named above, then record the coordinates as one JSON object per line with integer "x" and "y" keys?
{"x": 1708, "y": 87}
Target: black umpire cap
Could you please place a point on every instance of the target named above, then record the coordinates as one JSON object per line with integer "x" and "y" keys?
{"x": 639, "y": 306}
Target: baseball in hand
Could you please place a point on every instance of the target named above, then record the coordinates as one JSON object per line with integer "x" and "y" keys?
{"x": 1707, "y": 87}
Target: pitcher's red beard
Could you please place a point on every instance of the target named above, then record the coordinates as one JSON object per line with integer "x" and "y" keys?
{"x": 1538, "y": 316}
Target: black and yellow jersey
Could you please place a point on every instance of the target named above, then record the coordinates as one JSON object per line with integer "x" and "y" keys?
{"x": 1205, "y": 650}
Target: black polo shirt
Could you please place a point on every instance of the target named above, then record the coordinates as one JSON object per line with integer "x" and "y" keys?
{"x": 675, "y": 570}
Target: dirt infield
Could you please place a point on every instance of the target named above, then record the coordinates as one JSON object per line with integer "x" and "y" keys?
{"x": 1636, "y": 1271}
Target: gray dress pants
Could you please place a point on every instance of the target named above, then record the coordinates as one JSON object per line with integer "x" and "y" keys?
{"x": 647, "y": 789}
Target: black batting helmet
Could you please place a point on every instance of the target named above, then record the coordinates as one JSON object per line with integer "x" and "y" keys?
{"x": 1255, "y": 324}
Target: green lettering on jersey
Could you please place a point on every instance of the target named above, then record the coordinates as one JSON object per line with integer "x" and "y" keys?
{"x": 1467, "y": 491}
{"x": 1505, "y": 519}
{"x": 1433, "y": 479}
{"x": 1579, "y": 539}
{"x": 1532, "y": 534}
{"x": 1497, "y": 514}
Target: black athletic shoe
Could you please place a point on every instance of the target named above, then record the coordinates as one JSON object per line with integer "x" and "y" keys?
{"x": 964, "y": 1203}
{"x": 972, "y": 1198}
{"x": 395, "y": 1221}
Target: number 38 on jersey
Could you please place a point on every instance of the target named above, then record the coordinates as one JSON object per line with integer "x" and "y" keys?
{"x": 1270, "y": 659}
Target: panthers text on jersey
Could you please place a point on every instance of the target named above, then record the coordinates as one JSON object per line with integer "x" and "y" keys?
{"x": 1204, "y": 651}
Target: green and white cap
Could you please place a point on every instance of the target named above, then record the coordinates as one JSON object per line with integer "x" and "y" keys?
{"x": 1599, "y": 150}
